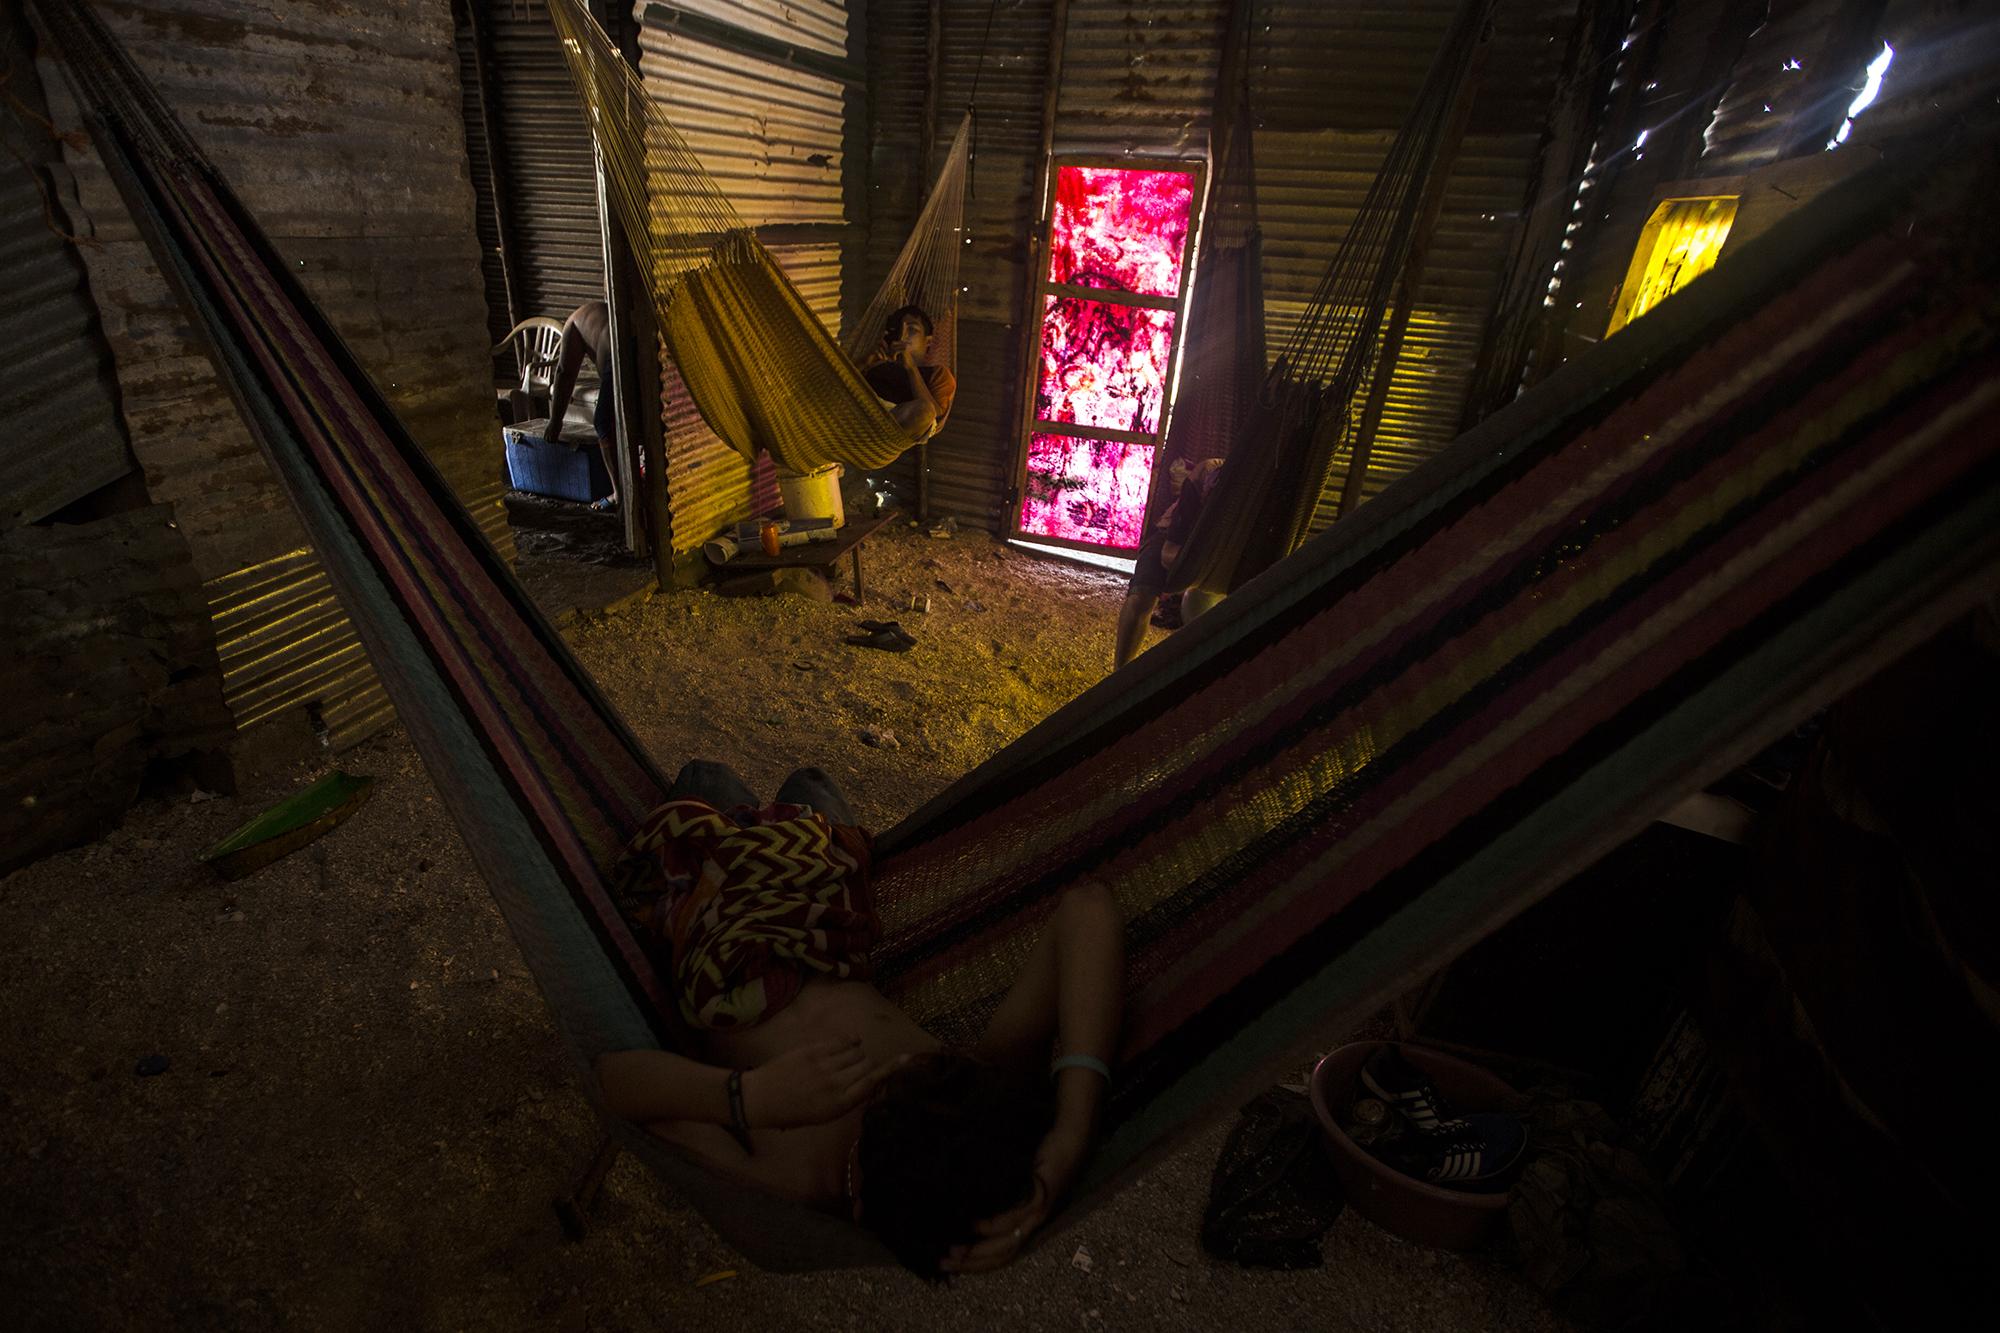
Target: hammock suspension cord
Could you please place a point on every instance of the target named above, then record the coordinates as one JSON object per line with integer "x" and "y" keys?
{"x": 757, "y": 362}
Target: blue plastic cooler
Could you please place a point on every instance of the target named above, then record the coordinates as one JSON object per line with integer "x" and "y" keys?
{"x": 540, "y": 468}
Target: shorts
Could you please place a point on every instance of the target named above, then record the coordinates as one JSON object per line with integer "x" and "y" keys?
{"x": 607, "y": 406}
{"x": 1149, "y": 569}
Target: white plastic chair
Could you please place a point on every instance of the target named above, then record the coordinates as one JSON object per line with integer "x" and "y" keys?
{"x": 537, "y": 344}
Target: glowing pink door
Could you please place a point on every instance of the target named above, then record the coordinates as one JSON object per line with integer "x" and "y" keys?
{"x": 1120, "y": 238}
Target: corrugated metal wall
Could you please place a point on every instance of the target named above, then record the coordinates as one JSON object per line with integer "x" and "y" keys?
{"x": 64, "y": 438}
{"x": 1330, "y": 85}
{"x": 970, "y": 461}
{"x": 342, "y": 131}
{"x": 1139, "y": 78}
{"x": 774, "y": 137}
{"x": 546, "y": 166}
{"x": 1786, "y": 94}
{"x": 1331, "y": 81}
{"x": 475, "y": 110}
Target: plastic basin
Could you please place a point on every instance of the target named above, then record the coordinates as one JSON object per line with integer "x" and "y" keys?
{"x": 1413, "y": 1209}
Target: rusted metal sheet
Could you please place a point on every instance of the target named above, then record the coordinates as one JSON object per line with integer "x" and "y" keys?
{"x": 1330, "y": 85}
{"x": 1139, "y": 77}
{"x": 1002, "y": 75}
{"x": 547, "y": 167}
{"x": 769, "y": 133}
{"x": 476, "y": 111}
{"x": 343, "y": 133}
{"x": 774, "y": 137}
{"x": 64, "y": 437}
{"x": 1772, "y": 89}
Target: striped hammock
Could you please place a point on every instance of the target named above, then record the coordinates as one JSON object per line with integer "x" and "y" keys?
{"x": 1372, "y": 755}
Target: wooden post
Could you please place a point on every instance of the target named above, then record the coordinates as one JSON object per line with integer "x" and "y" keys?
{"x": 643, "y": 490}
{"x": 1406, "y": 281}
{"x": 1031, "y": 276}
{"x": 933, "y": 75}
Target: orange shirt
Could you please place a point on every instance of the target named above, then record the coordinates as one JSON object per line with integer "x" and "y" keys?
{"x": 885, "y": 376}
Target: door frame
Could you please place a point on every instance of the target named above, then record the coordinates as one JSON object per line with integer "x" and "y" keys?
{"x": 1041, "y": 287}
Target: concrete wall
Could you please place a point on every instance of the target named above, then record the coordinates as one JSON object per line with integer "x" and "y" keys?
{"x": 340, "y": 127}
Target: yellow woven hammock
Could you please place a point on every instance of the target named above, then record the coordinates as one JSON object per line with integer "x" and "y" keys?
{"x": 761, "y": 368}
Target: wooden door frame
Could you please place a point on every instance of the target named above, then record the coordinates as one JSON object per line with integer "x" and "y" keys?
{"x": 1041, "y": 288}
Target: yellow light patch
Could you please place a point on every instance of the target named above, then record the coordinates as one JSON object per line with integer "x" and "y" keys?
{"x": 1679, "y": 242}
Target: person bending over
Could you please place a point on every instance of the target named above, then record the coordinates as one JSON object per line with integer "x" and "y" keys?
{"x": 587, "y": 333}
{"x": 1153, "y": 572}
{"x": 804, "y": 1080}
{"x": 920, "y": 395}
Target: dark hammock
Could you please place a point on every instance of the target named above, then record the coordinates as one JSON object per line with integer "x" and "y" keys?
{"x": 1295, "y": 421}
{"x": 1373, "y": 754}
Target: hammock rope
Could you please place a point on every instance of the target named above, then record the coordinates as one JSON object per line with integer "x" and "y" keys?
{"x": 1380, "y": 749}
{"x": 1263, "y": 502}
{"x": 1222, "y": 362}
{"x": 760, "y": 367}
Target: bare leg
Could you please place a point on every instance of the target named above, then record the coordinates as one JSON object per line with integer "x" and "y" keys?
{"x": 609, "y": 448}
{"x": 1197, "y": 601}
{"x": 1133, "y": 613}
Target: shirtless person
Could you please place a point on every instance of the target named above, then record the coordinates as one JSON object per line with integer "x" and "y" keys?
{"x": 921, "y": 394}
{"x": 587, "y": 332}
{"x": 842, "y": 1102}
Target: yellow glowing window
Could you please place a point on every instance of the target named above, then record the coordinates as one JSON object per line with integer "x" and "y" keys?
{"x": 1680, "y": 242}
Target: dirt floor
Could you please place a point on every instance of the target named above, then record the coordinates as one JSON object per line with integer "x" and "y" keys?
{"x": 366, "y": 1112}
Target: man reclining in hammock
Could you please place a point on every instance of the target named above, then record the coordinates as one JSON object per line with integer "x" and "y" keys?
{"x": 895, "y": 370}
{"x": 802, "y": 1079}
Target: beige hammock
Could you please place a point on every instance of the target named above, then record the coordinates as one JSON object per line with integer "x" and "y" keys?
{"x": 761, "y": 368}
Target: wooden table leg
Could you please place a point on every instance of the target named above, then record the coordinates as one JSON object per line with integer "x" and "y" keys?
{"x": 857, "y": 573}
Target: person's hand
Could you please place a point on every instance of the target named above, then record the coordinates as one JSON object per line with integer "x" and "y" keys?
{"x": 1057, "y": 1163}
{"x": 552, "y": 432}
{"x": 907, "y": 357}
{"x": 812, "y": 1084}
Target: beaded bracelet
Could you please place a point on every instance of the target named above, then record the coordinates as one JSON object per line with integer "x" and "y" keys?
{"x": 1062, "y": 1062}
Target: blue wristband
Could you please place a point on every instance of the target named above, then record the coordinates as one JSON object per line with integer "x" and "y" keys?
{"x": 1063, "y": 1062}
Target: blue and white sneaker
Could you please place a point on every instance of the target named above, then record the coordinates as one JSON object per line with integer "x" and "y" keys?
{"x": 1481, "y": 1158}
{"x": 1407, "y": 1090}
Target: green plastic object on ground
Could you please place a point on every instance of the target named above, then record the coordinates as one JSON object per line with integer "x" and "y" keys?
{"x": 289, "y": 825}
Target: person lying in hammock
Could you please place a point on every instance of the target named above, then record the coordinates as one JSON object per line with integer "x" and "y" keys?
{"x": 587, "y": 332}
{"x": 804, "y": 1080}
{"x": 922, "y": 395}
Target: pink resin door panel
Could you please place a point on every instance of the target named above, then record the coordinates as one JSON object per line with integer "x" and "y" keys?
{"x": 1119, "y": 243}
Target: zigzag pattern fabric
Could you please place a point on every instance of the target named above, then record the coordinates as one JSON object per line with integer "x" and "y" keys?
{"x": 749, "y": 902}
{"x": 1367, "y": 758}
{"x": 760, "y": 367}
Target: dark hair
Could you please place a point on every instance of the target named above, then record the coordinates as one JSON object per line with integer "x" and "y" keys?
{"x": 894, "y": 324}
{"x": 948, "y": 1142}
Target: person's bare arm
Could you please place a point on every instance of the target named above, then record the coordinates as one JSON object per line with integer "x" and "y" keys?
{"x": 919, "y": 416}
{"x": 1072, "y": 985}
{"x": 809, "y": 1085}
{"x": 564, "y": 383}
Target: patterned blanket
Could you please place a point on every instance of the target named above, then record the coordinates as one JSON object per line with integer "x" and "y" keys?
{"x": 737, "y": 907}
